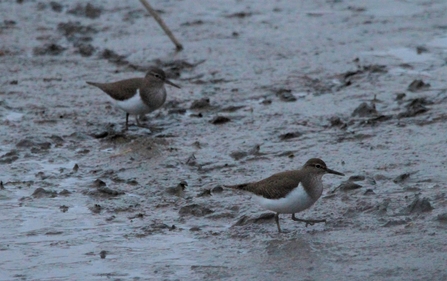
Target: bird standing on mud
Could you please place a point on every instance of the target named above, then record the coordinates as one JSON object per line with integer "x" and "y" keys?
{"x": 290, "y": 192}
{"x": 138, "y": 96}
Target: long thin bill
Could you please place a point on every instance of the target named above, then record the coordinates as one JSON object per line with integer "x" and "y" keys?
{"x": 172, "y": 84}
{"x": 334, "y": 172}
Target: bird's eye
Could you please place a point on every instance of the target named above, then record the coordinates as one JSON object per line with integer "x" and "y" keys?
{"x": 157, "y": 75}
{"x": 318, "y": 166}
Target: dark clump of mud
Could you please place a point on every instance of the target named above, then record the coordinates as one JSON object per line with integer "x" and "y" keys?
{"x": 89, "y": 11}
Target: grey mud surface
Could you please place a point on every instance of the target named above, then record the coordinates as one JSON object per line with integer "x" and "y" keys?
{"x": 360, "y": 84}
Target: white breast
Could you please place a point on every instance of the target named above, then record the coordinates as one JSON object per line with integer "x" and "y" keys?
{"x": 134, "y": 105}
{"x": 296, "y": 201}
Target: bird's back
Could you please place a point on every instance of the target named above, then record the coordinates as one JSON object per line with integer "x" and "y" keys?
{"x": 120, "y": 90}
{"x": 274, "y": 187}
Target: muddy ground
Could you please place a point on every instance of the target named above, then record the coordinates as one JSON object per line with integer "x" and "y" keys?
{"x": 266, "y": 85}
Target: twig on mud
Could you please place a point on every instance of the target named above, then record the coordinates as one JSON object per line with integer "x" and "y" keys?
{"x": 162, "y": 24}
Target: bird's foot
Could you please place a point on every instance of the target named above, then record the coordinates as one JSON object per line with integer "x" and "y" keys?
{"x": 308, "y": 222}
{"x": 137, "y": 119}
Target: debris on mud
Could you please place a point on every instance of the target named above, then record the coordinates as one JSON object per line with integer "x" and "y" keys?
{"x": 101, "y": 135}
{"x": 217, "y": 189}
{"x": 63, "y": 208}
{"x": 108, "y": 191}
{"x": 418, "y": 206}
{"x": 232, "y": 108}
{"x": 98, "y": 183}
{"x": 103, "y": 254}
{"x": 174, "y": 108}
{"x": 64, "y": 192}
{"x": 369, "y": 191}
{"x": 239, "y": 15}
{"x": 365, "y": 110}
{"x": 200, "y": 104}
{"x": 377, "y": 119}
{"x": 102, "y": 190}
{"x": 219, "y": 120}
{"x": 285, "y": 95}
{"x": 195, "y": 210}
{"x": 43, "y": 193}
{"x": 381, "y": 208}
{"x": 415, "y": 107}
{"x": 35, "y": 147}
{"x": 401, "y": 178}
{"x": 400, "y": 96}
{"x": 137, "y": 216}
{"x": 76, "y": 32}
{"x": 337, "y": 122}
{"x": 347, "y": 185}
{"x": 418, "y": 85}
{"x": 357, "y": 178}
{"x": 55, "y": 6}
{"x": 244, "y": 220}
{"x": 153, "y": 228}
{"x": 178, "y": 190}
{"x": 173, "y": 68}
{"x": 50, "y": 49}
{"x": 88, "y": 11}
{"x": 209, "y": 191}
{"x": 192, "y": 23}
{"x": 290, "y": 135}
{"x": 113, "y": 57}
{"x": 195, "y": 228}
{"x": 442, "y": 217}
{"x": 348, "y": 78}
{"x": 392, "y": 223}
{"x": 191, "y": 161}
{"x": 237, "y": 155}
{"x": 204, "y": 193}
{"x": 9, "y": 157}
{"x": 95, "y": 209}
{"x": 85, "y": 49}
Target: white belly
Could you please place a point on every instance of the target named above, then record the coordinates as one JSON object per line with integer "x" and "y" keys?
{"x": 296, "y": 201}
{"x": 134, "y": 105}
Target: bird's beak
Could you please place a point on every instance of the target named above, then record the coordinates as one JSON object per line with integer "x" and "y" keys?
{"x": 172, "y": 84}
{"x": 334, "y": 172}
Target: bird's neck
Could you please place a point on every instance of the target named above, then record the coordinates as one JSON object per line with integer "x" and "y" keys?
{"x": 313, "y": 184}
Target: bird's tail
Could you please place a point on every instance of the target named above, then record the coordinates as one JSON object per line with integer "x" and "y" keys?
{"x": 92, "y": 83}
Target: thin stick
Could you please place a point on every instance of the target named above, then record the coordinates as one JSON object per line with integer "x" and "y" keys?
{"x": 162, "y": 24}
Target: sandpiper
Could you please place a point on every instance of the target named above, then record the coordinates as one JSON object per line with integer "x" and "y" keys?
{"x": 138, "y": 96}
{"x": 291, "y": 192}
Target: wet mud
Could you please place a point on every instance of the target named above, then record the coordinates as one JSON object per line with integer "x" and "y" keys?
{"x": 265, "y": 86}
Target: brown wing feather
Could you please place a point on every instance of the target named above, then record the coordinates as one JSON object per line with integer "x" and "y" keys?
{"x": 121, "y": 90}
{"x": 274, "y": 187}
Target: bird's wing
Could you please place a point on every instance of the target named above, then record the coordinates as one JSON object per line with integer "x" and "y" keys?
{"x": 120, "y": 90}
{"x": 274, "y": 187}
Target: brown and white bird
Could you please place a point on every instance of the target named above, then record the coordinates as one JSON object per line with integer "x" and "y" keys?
{"x": 138, "y": 96}
{"x": 290, "y": 192}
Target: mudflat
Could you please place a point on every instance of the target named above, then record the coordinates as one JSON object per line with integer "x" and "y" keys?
{"x": 266, "y": 85}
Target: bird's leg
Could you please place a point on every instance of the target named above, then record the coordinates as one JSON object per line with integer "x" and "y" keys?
{"x": 127, "y": 121}
{"x": 277, "y": 222}
{"x": 308, "y": 222}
